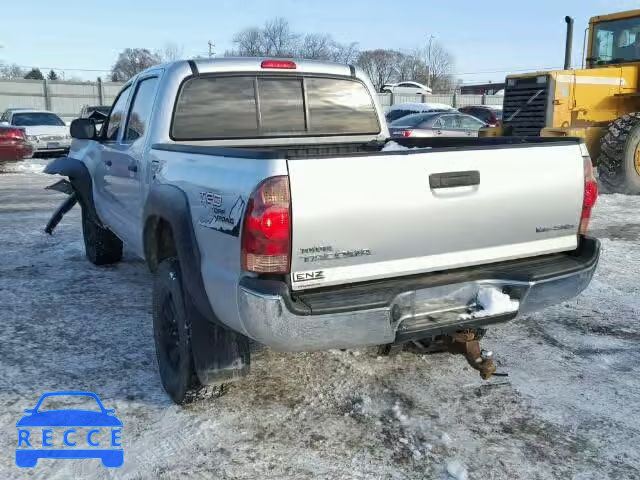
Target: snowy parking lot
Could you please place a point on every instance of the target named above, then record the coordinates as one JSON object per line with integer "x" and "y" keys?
{"x": 568, "y": 409}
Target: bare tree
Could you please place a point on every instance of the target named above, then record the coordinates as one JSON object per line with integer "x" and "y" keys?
{"x": 132, "y": 61}
{"x": 380, "y": 65}
{"x": 278, "y": 38}
{"x": 440, "y": 64}
{"x": 249, "y": 43}
{"x": 411, "y": 67}
{"x": 171, "y": 52}
{"x": 316, "y": 45}
{"x": 11, "y": 72}
{"x": 344, "y": 52}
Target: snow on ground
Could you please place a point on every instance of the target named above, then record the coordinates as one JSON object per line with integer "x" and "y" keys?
{"x": 568, "y": 409}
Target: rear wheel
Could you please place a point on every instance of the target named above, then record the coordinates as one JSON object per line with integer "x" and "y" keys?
{"x": 101, "y": 245}
{"x": 619, "y": 160}
{"x": 172, "y": 336}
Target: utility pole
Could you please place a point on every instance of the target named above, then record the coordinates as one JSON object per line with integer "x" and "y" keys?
{"x": 211, "y": 51}
{"x": 431, "y": 37}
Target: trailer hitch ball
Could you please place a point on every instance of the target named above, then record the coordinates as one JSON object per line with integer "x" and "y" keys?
{"x": 467, "y": 343}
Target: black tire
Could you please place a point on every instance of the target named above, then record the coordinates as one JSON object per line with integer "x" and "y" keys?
{"x": 617, "y": 170}
{"x": 101, "y": 245}
{"x": 172, "y": 336}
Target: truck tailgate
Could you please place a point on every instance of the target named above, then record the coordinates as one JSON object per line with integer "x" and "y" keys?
{"x": 363, "y": 217}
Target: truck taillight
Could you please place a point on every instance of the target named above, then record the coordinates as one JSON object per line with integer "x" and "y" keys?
{"x": 407, "y": 133}
{"x": 590, "y": 195}
{"x": 266, "y": 233}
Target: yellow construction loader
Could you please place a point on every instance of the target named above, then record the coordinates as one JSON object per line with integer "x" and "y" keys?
{"x": 599, "y": 102}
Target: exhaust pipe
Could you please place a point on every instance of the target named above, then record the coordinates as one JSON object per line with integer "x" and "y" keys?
{"x": 569, "y": 43}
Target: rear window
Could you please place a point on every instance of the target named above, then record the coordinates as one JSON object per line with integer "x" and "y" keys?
{"x": 396, "y": 114}
{"x": 246, "y": 106}
{"x": 412, "y": 120}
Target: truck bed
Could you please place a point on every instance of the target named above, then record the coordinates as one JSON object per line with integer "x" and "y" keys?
{"x": 360, "y": 213}
{"x": 333, "y": 149}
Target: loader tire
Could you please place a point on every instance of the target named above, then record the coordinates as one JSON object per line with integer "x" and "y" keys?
{"x": 619, "y": 160}
{"x": 172, "y": 336}
{"x": 101, "y": 245}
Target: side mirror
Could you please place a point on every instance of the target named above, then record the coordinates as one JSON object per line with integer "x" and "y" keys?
{"x": 83, "y": 129}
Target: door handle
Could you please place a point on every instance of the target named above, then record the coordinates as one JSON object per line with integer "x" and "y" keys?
{"x": 454, "y": 179}
{"x": 108, "y": 163}
{"x": 132, "y": 168}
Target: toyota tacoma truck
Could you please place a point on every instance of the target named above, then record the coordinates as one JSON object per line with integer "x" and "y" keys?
{"x": 268, "y": 202}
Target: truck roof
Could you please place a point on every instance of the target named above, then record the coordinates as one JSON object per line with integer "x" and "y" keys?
{"x": 253, "y": 64}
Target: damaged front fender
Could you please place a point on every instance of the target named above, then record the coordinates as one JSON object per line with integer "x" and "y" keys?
{"x": 78, "y": 187}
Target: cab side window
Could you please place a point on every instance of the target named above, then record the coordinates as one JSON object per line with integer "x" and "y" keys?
{"x": 140, "y": 112}
{"x": 116, "y": 117}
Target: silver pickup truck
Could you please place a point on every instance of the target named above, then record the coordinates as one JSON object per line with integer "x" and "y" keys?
{"x": 269, "y": 205}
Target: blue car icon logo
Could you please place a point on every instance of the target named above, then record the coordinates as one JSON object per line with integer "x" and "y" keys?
{"x": 84, "y": 432}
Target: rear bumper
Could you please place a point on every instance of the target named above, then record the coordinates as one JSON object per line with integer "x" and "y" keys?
{"x": 402, "y": 309}
{"x": 15, "y": 153}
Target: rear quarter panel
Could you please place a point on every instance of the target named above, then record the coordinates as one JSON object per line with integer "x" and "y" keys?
{"x": 217, "y": 189}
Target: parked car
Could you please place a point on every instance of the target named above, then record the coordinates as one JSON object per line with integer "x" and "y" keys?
{"x": 403, "y": 109}
{"x": 14, "y": 145}
{"x": 436, "y": 124}
{"x": 406, "y": 88}
{"x": 489, "y": 114}
{"x": 287, "y": 221}
{"x": 47, "y": 133}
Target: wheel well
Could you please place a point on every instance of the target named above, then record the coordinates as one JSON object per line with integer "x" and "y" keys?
{"x": 159, "y": 242}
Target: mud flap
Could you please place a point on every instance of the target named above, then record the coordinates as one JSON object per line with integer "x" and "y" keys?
{"x": 219, "y": 354}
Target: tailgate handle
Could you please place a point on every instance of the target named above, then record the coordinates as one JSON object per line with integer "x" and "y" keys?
{"x": 454, "y": 179}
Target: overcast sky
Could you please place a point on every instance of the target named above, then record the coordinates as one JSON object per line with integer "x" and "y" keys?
{"x": 487, "y": 38}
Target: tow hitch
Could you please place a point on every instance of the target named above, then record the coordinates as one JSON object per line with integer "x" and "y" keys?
{"x": 467, "y": 343}
{"x": 63, "y": 186}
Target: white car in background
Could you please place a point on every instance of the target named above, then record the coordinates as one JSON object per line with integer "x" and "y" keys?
{"x": 46, "y": 132}
{"x": 406, "y": 88}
